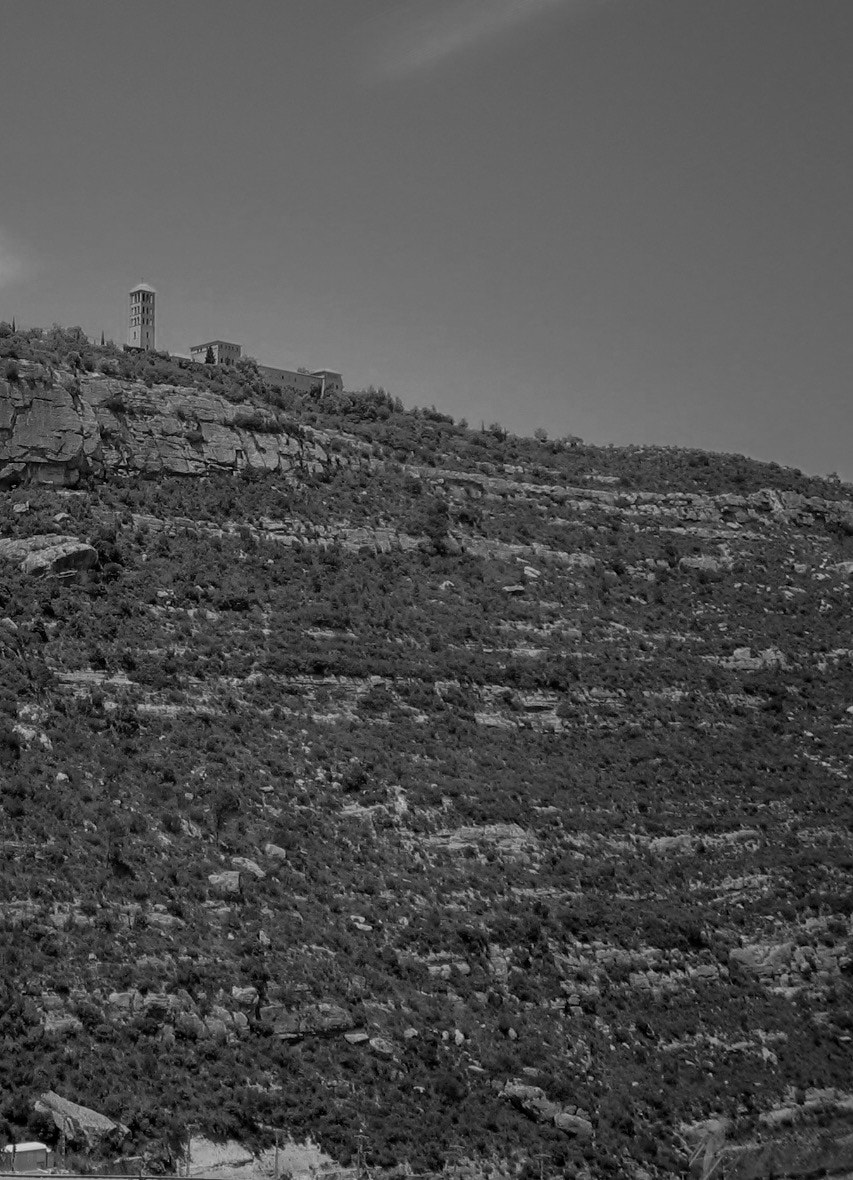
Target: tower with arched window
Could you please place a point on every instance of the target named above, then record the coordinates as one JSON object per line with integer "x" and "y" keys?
{"x": 140, "y": 324}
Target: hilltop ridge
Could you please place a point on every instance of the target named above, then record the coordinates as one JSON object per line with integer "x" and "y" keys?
{"x": 73, "y": 408}
{"x": 362, "y": 770}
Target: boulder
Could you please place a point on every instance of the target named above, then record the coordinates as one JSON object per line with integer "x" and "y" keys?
{"x": 760, "y": 960}
{"x": 49, "y": 553}
{"x": 743, "y": 659}
{"x": 664, "y": 844}
{"x": 190, "y": 1025}
{"x": 740, "y": 836}
{"x": 249, "y": 866}
{"x": 159, "y": 1006}
{"x": 165, "y": 922}
{"x": 79, "y": 1124}
{"x": 498, "y": 963}
{"x": 247, "y": 997}
{"x": 573, "y": 1124}
{"x": 532, "y": 1100}
{"x": 704, "y": 563}
{"x": 382, "y": 1046}
{"x": 313, "y": 1020}
{"x": 68, "y": 558}
{"x": 704, "y": 971}
{"x": 275, "y": 852}
{"x": 216, "y": 1028}
{"x": 226, "y": 882}
{"x": 125, "y": 1002}
{"x": 60, "y": 1023}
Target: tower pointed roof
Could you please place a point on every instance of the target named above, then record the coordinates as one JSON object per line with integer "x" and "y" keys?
{"x": 142, "y": 287}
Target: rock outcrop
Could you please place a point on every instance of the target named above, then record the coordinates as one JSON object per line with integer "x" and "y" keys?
{"x": 48, "y": 432}
{"x": 313, "y": 1020}
{"x": 48, "y": 554}
{"x": 815, "y": 1152}
{"x": 172, "y": 431}
{"x": 533, "y": 1101}
{"x": 227, "y": 882}
{"x": 80, "y": 1125}
{"x": 57, "y": 428}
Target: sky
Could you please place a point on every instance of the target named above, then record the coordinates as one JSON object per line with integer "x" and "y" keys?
{"x": 627, "y": 220}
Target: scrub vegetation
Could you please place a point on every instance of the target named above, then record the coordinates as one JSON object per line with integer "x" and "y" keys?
{"x": 466, "y": 789}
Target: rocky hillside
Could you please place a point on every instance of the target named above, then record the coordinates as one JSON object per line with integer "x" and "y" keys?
{"x": 363, "y": 772}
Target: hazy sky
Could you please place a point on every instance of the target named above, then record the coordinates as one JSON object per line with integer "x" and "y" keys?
{"x": 624, "y": 219}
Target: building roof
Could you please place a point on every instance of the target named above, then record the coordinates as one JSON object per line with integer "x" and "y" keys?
{"x": 325, "y": 373}
{"x": 142, "y": 287}
{"x": 210, "y": 344}
{"x": 16, "y": 1147}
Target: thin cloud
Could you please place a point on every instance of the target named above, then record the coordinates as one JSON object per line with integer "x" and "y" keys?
{"x": 12, "y": 265}
{"x": 426, "y": 33}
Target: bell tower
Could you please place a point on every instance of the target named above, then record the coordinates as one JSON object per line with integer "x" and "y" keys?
{"x": 140, "y": 324}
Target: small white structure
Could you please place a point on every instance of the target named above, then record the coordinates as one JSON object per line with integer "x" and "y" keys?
{"x": 222, "y": 351}
{"x": 140, "y": 326}
{"x": 25, "y": 1157}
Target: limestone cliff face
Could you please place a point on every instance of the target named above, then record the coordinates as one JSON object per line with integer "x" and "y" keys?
{"x": 56, "y": 430}
{"x": 168, "y": 430}
{"x": 48, "y": 432}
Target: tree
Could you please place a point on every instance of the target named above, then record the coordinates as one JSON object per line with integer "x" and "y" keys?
{"x": 209, "y": 358}
{"x": 224, "y": 804}
{"x": 116, "y": 832}
{"x": 437, "y": 523}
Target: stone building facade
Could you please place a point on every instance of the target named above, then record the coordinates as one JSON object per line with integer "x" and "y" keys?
{"x": 319, "y": 382}
{"x": 224, "y": 353}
